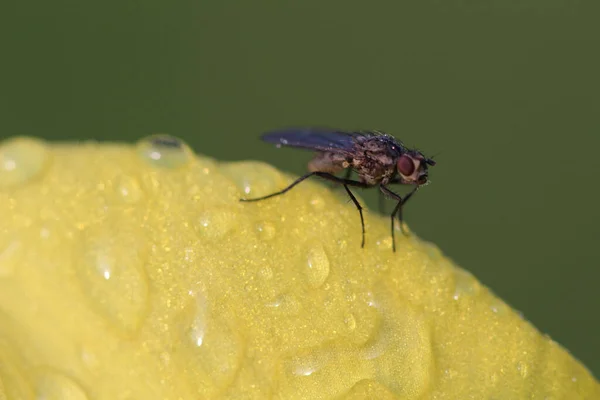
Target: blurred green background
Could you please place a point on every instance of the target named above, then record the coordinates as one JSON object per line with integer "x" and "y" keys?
{"x": 507, "y": 90}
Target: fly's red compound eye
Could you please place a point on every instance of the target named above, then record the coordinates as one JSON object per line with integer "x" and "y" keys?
{"x": 406, "y": 166}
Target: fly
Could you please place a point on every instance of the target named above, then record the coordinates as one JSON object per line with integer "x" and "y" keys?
{"x": 378, "y": 159}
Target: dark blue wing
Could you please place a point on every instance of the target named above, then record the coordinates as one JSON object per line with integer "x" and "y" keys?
{"x": 312, "y": 138}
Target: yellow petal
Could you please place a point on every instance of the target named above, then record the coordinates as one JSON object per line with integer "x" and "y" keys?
{"x": 134, "y": 272}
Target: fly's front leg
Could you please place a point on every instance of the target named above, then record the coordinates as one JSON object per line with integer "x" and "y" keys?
{"x": 397, "y": 210}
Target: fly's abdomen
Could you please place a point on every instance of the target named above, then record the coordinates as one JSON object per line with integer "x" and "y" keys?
{"x": 327, "y": 162}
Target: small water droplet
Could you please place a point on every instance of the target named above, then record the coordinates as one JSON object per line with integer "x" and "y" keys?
{"x": 433, "y": 251}
{"x": 317, "y": 265}
{"x": 164, "y": 151}
{"x": 113, "y": 276}
{"x": 317, "y": 202}
{"x": 465, "y": 284}
{"x": 400, "y": 227}
{"x": 199, "y": 323}
{"x": 385, "y": 243}
{"x": 498, "y": 307}
{"x": 21, "y": 159}
{"x": 266, "y": 230}
{"x": 215, "y": 224}
{"x": 129, "y": 189}
{"x": 56, "y": 386}
{"x": 286, "y": 304}
{"x": 266, "y": 273}
{"x": 523, "y": 369}
{"x": 89, "y": 358}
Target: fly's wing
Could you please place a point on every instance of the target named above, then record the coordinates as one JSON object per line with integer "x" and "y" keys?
{"x": 312, "y": 138}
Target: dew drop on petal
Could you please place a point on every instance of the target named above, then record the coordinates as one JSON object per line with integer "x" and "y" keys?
{"x": 113, "y": 277}
{"x": 266, "y": 230}
{"x": 317, "y": 266}
{"x": 215, "y": 223}
{"x": 164, "y": 151}
{"x": 21, "y": 159}
{"x": 523, "y": 369}
{"x": 210, "y": 348}
{"x": 465, "y": 284}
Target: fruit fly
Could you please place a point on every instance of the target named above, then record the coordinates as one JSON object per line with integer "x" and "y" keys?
{"x": 378, "y": 159}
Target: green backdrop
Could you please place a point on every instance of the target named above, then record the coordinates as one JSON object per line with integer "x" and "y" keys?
{"x": 507, "y": 90}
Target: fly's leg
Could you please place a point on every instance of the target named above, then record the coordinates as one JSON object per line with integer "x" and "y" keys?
{"x": 360, "y": 211}
{"x": 381, "y": 203}
{"x": 329, "y": 177}
{"x": 397, "y": 209}
{"x": 347, "y": 175}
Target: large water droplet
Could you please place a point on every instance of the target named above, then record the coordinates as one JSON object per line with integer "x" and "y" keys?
{"x": 209, "y": 345}
{"x": 317, "y": 266}
{"x": 164, "y": 151}
{"x": 21, "y": 159}
{"x": 401, "y": 346}
{"x": 112, "y": 274}
{"x": 55, "y": 386}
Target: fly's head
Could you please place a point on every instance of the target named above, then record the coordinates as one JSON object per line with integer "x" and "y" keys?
{"x": 412, "y": 166}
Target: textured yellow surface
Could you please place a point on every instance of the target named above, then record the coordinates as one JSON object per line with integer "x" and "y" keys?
{"x": 133, "y": 272}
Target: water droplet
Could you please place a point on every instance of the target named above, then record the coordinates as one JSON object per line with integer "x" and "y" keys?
{"x": 56, "y": 386}
{"x": 386, "y": 243}
{"x": 465, "y": 284}
{"x": 21, "y": 159}
{"x": 199, "y": 323}
{"x": 286, "y": 304}
{"x": 129, "y": 189}
{"x": 112, "y": 273}
{"x": 499, "y": 307}
{"x": 433, "y": 251}
{"x": 255, "y": 179}
{"x": 317, "y": 202}
{"x": 307, "y": 365}
{"x": 208, "y": 345}
{"x": 317, "y": 264}
{"x": 216, "y": 223}
{"x": 266, "y": 230}
{"x": 350, "y": 322}
{"x": 266, "y": 273}
{"x": 89, "y": 358}
{"x": 523, "y": 369}
{"x": 401, "y": 346}
{"x": 164, "y": 151}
